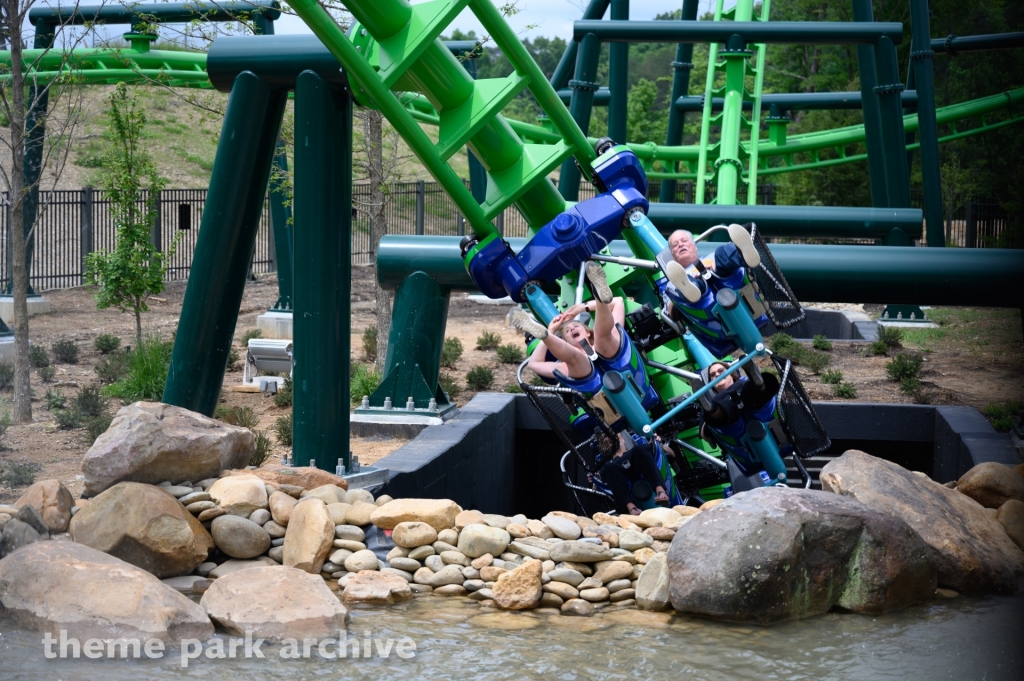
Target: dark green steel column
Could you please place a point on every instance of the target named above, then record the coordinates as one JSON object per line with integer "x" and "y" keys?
{"x": 894, "y": 143}
{"x": 869, "y": 106}
{"x": 567, "y": 64}
{"x": 477, "y": 172}
{"x": 280, "y": 226}
{"x": 618, "y": 78}
{"x": 921, "y": 62}
{"x": 580, "y": 106}
{"x": 226, "y": 240}
{"x": 323, "y": 281}
{"x": 682, "y": 66}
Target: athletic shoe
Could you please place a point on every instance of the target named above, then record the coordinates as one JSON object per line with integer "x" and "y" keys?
{"x": 518, "y": 318}
{"x": 676, "y": 274}
{"x": 599, "y": 282}
{"x": 741, "y": 237}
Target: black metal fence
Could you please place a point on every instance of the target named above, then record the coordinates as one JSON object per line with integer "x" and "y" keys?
{"x": 976, "y": 224}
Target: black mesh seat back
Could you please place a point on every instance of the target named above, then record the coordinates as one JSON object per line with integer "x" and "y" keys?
{"x": 552, "y": 405}
{"x": 799, "y": 420}
{"x": 780, "y": 303}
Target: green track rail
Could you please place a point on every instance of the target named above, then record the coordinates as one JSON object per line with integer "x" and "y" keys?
{"x": 100, "y": 66}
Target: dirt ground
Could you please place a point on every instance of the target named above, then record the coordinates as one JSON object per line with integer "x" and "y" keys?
{"x": 974, "y": 358}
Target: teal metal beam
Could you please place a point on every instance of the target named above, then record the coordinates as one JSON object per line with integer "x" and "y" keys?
{"x": 863, "y": 13}
{"x": 795, "y": 32}
{"x": 893, "y": 138}
{"x": 225, "y": 244}
{"x": 567, "y": 64}
{"x": 583, "y": 86}
{"x": 954, "y": 44}
{"x": 138, "y": 13}
{"x": 323, "y": 282}
{"x": 921, "y": 64}
{"x": 681, "y": 67}
{"x": 618, "y": 76}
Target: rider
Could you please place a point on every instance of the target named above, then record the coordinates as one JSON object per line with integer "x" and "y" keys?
{"x": 735, "y": 402}
{"x": 626, "y": 468}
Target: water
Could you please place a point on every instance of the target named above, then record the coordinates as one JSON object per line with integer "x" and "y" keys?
{"x": 455, "y": 639}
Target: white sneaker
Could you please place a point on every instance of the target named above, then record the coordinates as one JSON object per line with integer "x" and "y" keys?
{"x": 741, "y": 237}
{"x": 518, "y": 318}
{"x": 676, "y": 274}
{"x": 599, "y": 282}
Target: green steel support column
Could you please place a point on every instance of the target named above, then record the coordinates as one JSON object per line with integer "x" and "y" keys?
{"x": 323, "y": 284}
{"x": 477, "y": 172}
{"x": 910, "y": 109}
{"x": 888, "y": 90}
{"x": 227, "y": 236}
{"x": 567, "y": 64}
{"x": 921, "y": 59}
{"x": 280, "y": 217}
{"x": 681, "y": 67}
{"x": 729, "y": 165}
{"x": 580, "y": 106}
{"x": 862, "y": 11}
{"x": 618, "y": 78}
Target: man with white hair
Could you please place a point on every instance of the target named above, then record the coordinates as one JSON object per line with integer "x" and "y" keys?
{"x": 685, "y": 271}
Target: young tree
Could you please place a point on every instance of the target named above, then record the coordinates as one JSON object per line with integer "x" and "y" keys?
{"x": 134, "y": 270}
{"x": 32, "y": 106}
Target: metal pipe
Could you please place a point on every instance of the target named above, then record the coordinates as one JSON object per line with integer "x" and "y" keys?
{"x": 984, "y": 277}
{"x": 791, "y": 101}
{"x": 177, "y": 12}
{"x": 893, "y": 138}
{"x": 618, "y": 76}
{"x": 952, "y": 44}
{"x": 566, "y": 65}
{"x": 626, "y": 262}
{"x": 863, "y": 13}
{"x": 681, "y": 67}
{"x": 775, "y": 32}
{"x": 703, "y": 454}
{"x": 689, "y": 375}
{"x": 580, "y": 107}
{"x": 921, "y": 62}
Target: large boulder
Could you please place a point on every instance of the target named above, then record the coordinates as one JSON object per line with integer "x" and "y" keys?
{"x": 66, "y": 587}
{"x": 309, "y": 536}
{"x": 153, "y": 442}
{"x": 519, "y": 589}
{"x": 970, "y": 548}
{"x": 300, "y": 476}
{"x": 53, "y": 501}
{"x": 239, "y": 494}
{"x": 275, "y": 603}
{"x": 17, "y": 533}
{"x": 1011, "y": 516}
{"x": 772, "y": 554}
{"x": 145, "y": 526}
{"x": 991, "y": 484}
{"x": 438, "y": 513}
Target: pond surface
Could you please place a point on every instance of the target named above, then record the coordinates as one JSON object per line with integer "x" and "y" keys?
{"x": 963, "y": 638}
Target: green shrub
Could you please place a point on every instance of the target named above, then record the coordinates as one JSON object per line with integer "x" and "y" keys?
{"x": 249, "y": 335}
{"x": 814, "y": 360}
{"x": 903, "y": 366}
{"x": 112, "y": 368}
{"x": 244, "y": 417}
{"x": 892, "y": 336}
{"x": 513, "y": 388}
{"x": 5, "y": 419}
{"x": 65, "y": 351}
{"x": 479, "y": 378}
{"x": 451, "y": 352}
{"x": 283, "y": 429}
{"x": 90, "y": 402}
{"x": 845, "y": 390}
{"x": 821, "y": 343}
{"x": 910, "y": 385}
{"x": 283, "y": 396}
{"x": 449, "y": 384}
{"x": 233, "y": 357}
{"x": 536, "y": 380}
{"x": 783, "y": 344}
{"x": 264, "y": 448}
{"x": 148, "y": 363}
{"x": 878, "y": 347}
{"x": 364, "y": 380}
{"x": 488, "y": 340}
{"x": 18, "y": 474}
{"x": 47, "y": 373}
{"x": 38, "y": 357}
{"x": 370, "y": 343}
{"x": 832, "y": 377}
{"x": 55, "y": 399}
{"x": 67, "y": 419}
{"x": 1003, "y": 415}
{"x": 6, "y": 375}
{"x": 106, "y": 343}
{"x": 510, "y": 354}
{"x": 96, "y": 426}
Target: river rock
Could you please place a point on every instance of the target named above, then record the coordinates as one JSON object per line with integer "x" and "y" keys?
{"x": 17, "y": 533}
{"x": 53, "y": 501}
{"x": 210, "y": 514}
{"x": 291, "y": 479}
{"x": 561, "y": 589}
{"x": 309, "y": 536}
{"x": 479, "y": 540}
{"x": 577, "y": 607}
{"x": 579, "y": 552}
{"x": 197, "y": 507}
{"x": 971, "y": 549}
{"x": 62, "y": 586}
{"x": 1011, "y": 516}
{"x": 275, "y": 529}
{"x": 652, "y": 587}
{"x": 260, "y": 516}
{"x": 449, "y": 574}
{"x": 657, "y": 517}
{"x": 413, "y": 534}
{"x": 438, "y": 513}
{"x": 361, "y": 560}
{"x": 539, "y": 529}
{"x": 329, "y": 494}
{"x": 660, "y": 533}
{"x": 145, "y": 526}
{"x": 595, "y": 595}
{"x": 562, "y": 526}
{"x": 571, "y": 577}
{"x": 771, "y": 554}
{"x": 275, "y": 603}
{"x": 610, "y": 570}
{"x": 238, "y": 537}
{"x": 407, "y": 564}
{"x": 991, "y": 484}
{"x": 519, "y": 589}
{"x": 376, "y": 588}
{"x": 152, "y": 442}
{"x": 471, "y": 517}
{"x": 4, "y": 517}
{"x": 28, "y": 514}
{"x": 194, "y": 497}
{"x": 631, "y": 540}
{"x": 360, "y": 513}
{"x": 239, "y": 494}
{"x": 338, "y": 512}
{"x": 234, "y": 565}
{"x": 455, "y": 558}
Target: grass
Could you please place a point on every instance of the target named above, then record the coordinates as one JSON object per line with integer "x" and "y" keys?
{"x": 982, "y": 333}
{"x": 892, "y": 336}
{"x": 90, "y": 402}
{"x": 283, "y": 397}
{"x": 264, "y": 448}
{"x": 449, "y": 384}
{"x": 832, "y": 377}
{"x": 513, "y": 388}
{"x": 364, "y": 380}
{"x": 1003, "y": 415}
{"x": 451, "y": 352}
{"x": 112, "y": 368}
{"x": 147, "y": 363}
{"x": 479, "y": 378}
{"x": 283, "y": 429}
{"x": 47, "y": 373}
{"x": 18, "y": 474}
{"x": 249, "y": 335}
{"x": 370, "y": 343}
{"x": 243, "y": 417}
{"x": 879, "y": 347}
{"x": 845, "y": 390}
{"x": 784, "y": 345}
{"x": 55, "y": 399}
{"x": 510, "y": 354}
{"x": 488, "y": 340}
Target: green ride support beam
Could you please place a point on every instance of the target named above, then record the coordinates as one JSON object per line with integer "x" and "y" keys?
{"x": 580, "y": 106}
{"x": 893, "y": 134}
{"x": 280, "y": 219}
{"x": 323, "y": 282}
{"x": 921, "y": 64}
{"x": 225, "y": 244}
{"x": 681, "y": 68}
{"x": 618, "y": 77}
{"x": 567, "y": 64}
{"x": 863, "y": 12}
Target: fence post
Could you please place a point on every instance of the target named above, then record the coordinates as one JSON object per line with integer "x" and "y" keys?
{"x": 157, "y": 232}
{"x": 421, "y": 200}
{"x": 460, "y": 224}
{"x": 500, "y": 223}
{"x": 971, "y": 231}
{"x": 688, "y": 192}
{"x": 87, "y": 224}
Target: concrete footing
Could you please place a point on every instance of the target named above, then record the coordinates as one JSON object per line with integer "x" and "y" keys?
{"x": 36, "y": 305}
{"x": 275, "y": 325}
{"x": 7, "y": 349}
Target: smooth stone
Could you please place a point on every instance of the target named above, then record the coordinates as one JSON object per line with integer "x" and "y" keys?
{"x": 407, "y": 564}
{"x": 491, "y": 573}
{"x": 198, "y": 507}
{"x": 518, "y": 547}
{"x": 590, "y": 583}
{"x": 441, "y": 546}
{"x": 361, "y": 560}
{"x": 420, "y": 588}
{"x": 482, "y": 561}
{"x": 498, "y": 521}
{"x": 567, "y": 576}
{"x": 239, "y": 494}
{"x": 206, "y": 568}
{"x": 53, "y": 502}
{"x": 562, "y": 590}
{"x": 360, "y": 513}
{"x": 548, "y": 601}
{"x": 29, "y": 515}
{"x": 329, "y": 494}
{"x": 631, "y": 541}
{"x": 421, "y": 552}
{"x": 307, "y": 540}
{"x": 438, "y": 513}
{"x": 281, "y": 506}
{"x": 376, "y": 588}
{"x": 448, "y": 536}
{"x": 623, "y": 595}
{"x": 194, "y": 497}
{"x": 466, "y": 518}
{"x": 991, "y": 484}
{"x": 539, "y": 529}
{"x": 274, "y": 529}
{"x": 338, "y": 557}
{"x": 579, "y": 552}
{"x": 338, "y": 512}
{"x": 449, "y": 574}
{"x": 184, "y": 583}
{"x": 480, "y": 540}
{"x": 233, "y": 565}
{"x": 582, "y": 568}
{"x": 577, "y": 607}
{"x": 423, "y": 576}
{"x": 612, "y": 570}
{"x": 362, "y": 495}
{"x": 562, "y": 527}
{"x": 349, "y": 532}
{"x": 473, "y": 584}
{"x": 211, "y": 513}
{"x": 276, "y": 554}
{"x": 348, "y": 544}
{"x": 239, "y": 537}
{"x": 260, "y": 516}
{"x": 470, "y": 572}
{"x": 595, "y": 595}
{"x": 517, "y": 531}
{"x": 1011, "y": 516}
{"x": 450, "y": 590}
{"x": 383, "y": 499}
{"x": 413, "y": 534}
